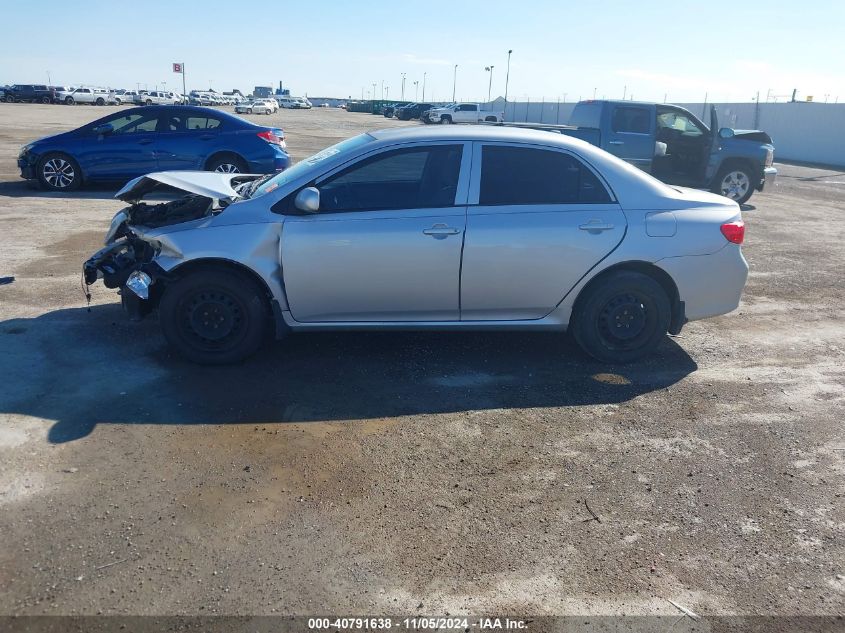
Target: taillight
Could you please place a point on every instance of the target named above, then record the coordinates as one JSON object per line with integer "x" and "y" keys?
{"x": 734, "y": 232}
{"x": 271, "y": 137}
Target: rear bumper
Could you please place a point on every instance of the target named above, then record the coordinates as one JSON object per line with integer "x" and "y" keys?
{"x": 770, "y": 175}
{"x": 708, "y": 285}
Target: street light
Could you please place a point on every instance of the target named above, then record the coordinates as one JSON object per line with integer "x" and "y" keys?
{"x": 374, "y": 91}
{"x": 48, "y": 79}
{"x": 489, "y": 69}
{"x": 416, "y": 90}
{"x": 424, "y": 74}
{"x": 508, "y": 75}
{"x": 454, "y": 81}
{"x": 402, "y": 98}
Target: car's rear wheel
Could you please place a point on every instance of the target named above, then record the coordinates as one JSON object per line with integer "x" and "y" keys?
{"x": 214, "y": 316}
{"x": 149, "y": 102}
{"x": 100, "y": 101}
{"x": 621, "y": 318}
{"x": 59, "y": 172}
{"x": 228, "y": 164}
{"x": 734, "y": 182}
{"x": 445, "y": 120}
{"x": 45, "y": 99}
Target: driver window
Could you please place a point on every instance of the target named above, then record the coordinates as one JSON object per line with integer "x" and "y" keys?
{"x": 132, "y": 123}
{"x": 414, "y": 178}
{"x": 680, "y": 122}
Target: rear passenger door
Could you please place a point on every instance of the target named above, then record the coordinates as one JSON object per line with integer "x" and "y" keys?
{"x": 630, "y": 134}
{"x": 186, "y": 139}
{"x": 539, "y": 219}
{"x": 466, "y": 113}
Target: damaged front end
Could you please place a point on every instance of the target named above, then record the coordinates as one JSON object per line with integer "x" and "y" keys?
{"x": 127, "y": 261}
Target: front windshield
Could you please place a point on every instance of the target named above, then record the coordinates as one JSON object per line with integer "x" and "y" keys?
{"x": 267, "y": 184}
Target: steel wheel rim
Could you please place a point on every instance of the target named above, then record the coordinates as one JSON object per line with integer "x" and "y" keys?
{"x": 212, "y": 319}
{"x": 625, "y": 321}
{"x": 58, "y": 173}
{"x": 735, "y": 185}
{"x": 227, "y": 168}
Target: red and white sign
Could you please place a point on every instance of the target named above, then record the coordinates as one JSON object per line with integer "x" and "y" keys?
{"x": 178, "y": 68}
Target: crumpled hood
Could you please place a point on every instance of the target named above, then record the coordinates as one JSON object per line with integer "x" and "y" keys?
{"x": 214, "y": 185}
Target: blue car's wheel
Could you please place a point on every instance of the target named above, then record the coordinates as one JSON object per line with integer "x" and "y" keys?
{"x": 227, "y": 164}
{"x": 59, "y": 172}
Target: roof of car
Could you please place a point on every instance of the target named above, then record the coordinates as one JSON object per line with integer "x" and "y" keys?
{"x": 477, "y": 132}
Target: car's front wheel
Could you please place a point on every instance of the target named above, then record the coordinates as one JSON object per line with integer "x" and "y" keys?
{"x": 734, "y": 182}
{"x": 214, "y": 316}
{"x": 59, "y": 172}
{"x": 69, "y": 101}
{"x": 622, "y": 317}
{"x": 45, "y": 100}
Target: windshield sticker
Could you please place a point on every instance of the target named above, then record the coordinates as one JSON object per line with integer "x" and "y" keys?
{"x": 326, "y": 153}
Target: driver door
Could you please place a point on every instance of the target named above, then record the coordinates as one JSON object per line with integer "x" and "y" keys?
{"x": 386, "y": 243}
{"x": 128, "y": 151}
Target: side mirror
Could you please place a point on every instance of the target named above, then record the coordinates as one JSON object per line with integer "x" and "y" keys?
{"x": 104, "y": 129}
{"x": 308, "y": 200}
{"x": 726, "y": 132}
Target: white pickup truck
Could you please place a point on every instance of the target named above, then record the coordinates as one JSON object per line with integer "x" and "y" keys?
{"x": 96, "y": 96}
{"x": 463, "y": 113}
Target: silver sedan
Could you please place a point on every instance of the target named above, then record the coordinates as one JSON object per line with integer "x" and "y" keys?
{"x": 419, "y": 228}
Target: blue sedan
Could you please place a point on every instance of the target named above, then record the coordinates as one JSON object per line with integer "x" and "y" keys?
{"x": 138, "y": 141}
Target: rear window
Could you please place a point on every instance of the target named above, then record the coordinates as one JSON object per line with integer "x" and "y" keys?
{"x": 586, "y": 114}
{"x": 631, "y": 119}
{"x": 528, "y": 176}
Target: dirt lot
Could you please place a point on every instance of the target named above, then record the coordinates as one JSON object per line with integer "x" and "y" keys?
{"x": 418, "y": 473}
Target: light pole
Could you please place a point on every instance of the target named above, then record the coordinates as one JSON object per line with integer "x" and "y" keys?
{"x": 387, "y": 93}
{"x": 424, "y": 74}
{"x": 489, "y": 69}
{"x": 508, "y": 75}
{"x": 402, "y": 98}
{"x": 48, "y": 79}
{"x": 382, "y": 89}
{"x": 454, "y": 82}
{"x": 374, "y": 91}
{"x": 416, "y": 90}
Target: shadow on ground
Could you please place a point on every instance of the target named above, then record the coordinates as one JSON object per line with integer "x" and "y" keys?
{"x": 25, "y": 189}
{"x": 82, "y": 369}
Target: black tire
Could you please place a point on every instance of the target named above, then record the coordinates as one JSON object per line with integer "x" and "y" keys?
{"x": 68, "y": 100}
{"x": 45, "y": 99}
{"x": 228, "y": 164}
{"x": 100, "y": 101}
{"x": 735, "y": 182}
{"x": 621, "y": 317}
{"x": 214, "y": 316}
{"x": 445, "y": 120}
{"x": 149, "y": 102}
{"x": 491, "y": 119}
{"x": 58, "y": 172}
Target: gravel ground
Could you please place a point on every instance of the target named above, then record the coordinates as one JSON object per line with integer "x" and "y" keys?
{"x": 418, "y": 473}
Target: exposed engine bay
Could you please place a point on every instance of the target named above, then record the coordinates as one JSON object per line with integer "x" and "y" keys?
{"x": 126, "y": 261}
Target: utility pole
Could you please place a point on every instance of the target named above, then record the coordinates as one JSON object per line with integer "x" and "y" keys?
{"x": 624, "y": 91}
{"x": 424, "y": 74}
{"x": 387, "y": 93}
{"x": 489, "y": 69}
{"x": 382, "y": 89}
{"x": 508, "y": 76}
{"x": 48, "y": 79}
{"x": 416, "y": 90}
{"x": 454, "y": 82}
{"x": 374, "y": 91}
{"x": 402, "y": 98}
{"x": 594, "y": 93}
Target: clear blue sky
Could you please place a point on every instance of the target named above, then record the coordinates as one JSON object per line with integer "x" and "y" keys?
{"x": 727, "y": 49}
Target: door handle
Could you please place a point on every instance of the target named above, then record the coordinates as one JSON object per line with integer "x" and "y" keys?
{"x": 145, "y": 141}
{"x": 616, "y": 142}
{"x": 441, "y": 231}
{"x": 596, "y": 225}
